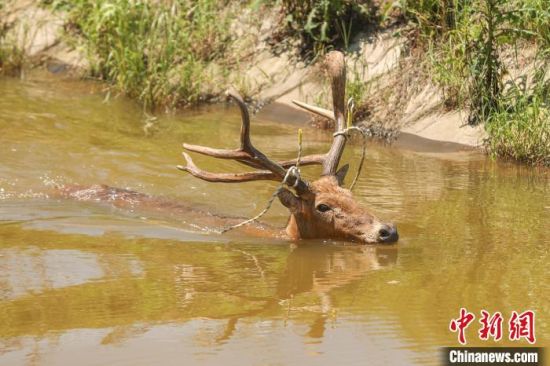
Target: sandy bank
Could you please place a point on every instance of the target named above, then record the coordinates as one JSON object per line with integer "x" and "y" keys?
{"x": 270, "y": 78}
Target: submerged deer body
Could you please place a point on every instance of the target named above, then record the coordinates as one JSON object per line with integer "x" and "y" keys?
{"x": 320, "y": 209}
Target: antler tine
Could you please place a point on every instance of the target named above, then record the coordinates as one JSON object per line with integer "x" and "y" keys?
{"x": 195, "y": 171}
{"x": 248, "y": 155}
{"x": 242, "y": 157}
{"x": 192, "y": 169}
{"x": 314, "y": 159}
{"x": 255, "y": 156}
{"x": 246, "y": 144}
{"x": 336, "y": 68}
{"x": 316, "y": 110}
{"x": 217, "y": 153}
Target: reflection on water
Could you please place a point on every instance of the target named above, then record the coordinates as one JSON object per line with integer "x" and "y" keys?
{"x": 57, "y": 268}
{"x": 89, "y": 283}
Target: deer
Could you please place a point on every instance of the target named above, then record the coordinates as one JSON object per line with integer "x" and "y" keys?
{"x": 322, "y": 209}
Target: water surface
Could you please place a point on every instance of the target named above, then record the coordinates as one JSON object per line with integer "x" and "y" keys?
{"x": 91, "y": 284}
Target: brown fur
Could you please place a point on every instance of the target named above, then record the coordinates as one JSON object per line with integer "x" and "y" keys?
{"x": 344, "y": 220}
{"x": 146, "y": 204}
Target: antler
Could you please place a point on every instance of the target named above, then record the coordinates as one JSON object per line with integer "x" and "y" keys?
{"x": 248, "y": 155}
{"x": 336, "y": 69}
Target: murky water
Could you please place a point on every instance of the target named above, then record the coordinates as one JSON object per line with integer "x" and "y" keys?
{"x": 91, "y": 284}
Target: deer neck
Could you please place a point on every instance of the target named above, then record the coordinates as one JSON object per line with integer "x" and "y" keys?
{"x": 294, "y": 230}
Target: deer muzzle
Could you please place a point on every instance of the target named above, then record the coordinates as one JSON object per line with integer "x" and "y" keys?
{"x": 387, "y": 233}
{"x": 379, "y": 232}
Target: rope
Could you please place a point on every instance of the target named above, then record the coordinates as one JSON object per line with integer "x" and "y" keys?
{"x": 347, "y": 133}
{"x": 295, "y": 169}
{"x": 258, "y": 216}
{"x": 292, "y": 171}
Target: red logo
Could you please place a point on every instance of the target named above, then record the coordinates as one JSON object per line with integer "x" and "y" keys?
{"x": 461, "y": 324}
{"x": 522, "y": 326}
{"x": 491, "y": 326}
{"x": 519, "y": 326}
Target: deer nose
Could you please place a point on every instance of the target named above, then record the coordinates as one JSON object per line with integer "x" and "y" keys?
{"x": 388, "y": 234}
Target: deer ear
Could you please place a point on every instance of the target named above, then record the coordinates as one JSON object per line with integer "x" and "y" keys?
{"x": 341, "y": 174}
{"x": 288, "y": 199}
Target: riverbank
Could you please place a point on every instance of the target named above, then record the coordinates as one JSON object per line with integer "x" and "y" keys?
{"x": 389, "y": 79}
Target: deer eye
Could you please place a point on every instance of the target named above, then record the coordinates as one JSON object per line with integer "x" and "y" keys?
{"x": 323, "y": 208}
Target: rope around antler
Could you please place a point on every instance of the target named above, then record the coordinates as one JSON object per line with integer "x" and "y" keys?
{"x": 295, "y": 169}
{"x": 347, "y": 133}
{"x": 292, "y": 171}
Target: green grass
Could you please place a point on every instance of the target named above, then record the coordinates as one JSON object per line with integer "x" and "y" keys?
{"x": 322, "y": 25}
{"x": 357, "y": 89}
{"x": 522, "y": 131}
{"x": 12, "y": 57}
{"x": 470, "y": 45}
{"x": 157, "y": 52}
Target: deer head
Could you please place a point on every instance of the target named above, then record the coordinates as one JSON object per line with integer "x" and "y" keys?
{"x": 321, "y": 209}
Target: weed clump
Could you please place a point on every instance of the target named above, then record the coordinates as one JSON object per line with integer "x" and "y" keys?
{"x": 155, "y": 51}
{"x": 520, "y": 128}
{"x": 12, "y": 57}
{"x": 471, "y": 43}
{"x": 321, "y": 25}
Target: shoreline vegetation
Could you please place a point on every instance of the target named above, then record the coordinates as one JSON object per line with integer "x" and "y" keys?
{"x": 488, "y": 58}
